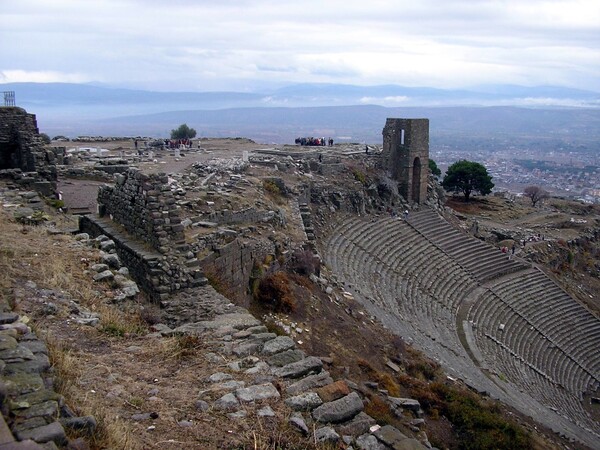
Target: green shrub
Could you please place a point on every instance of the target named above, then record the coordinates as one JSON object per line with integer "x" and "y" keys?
{"x": 271, "y": 187}
{"x": 423, "y": 369}
{"x": 55, "y": 203}
{"x": 479, "y": 424}
{"x": 359, "y": 175}
{"x": 37, "y": 218}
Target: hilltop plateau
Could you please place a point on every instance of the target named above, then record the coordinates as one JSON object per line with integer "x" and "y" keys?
{"x": 263, "y": 230}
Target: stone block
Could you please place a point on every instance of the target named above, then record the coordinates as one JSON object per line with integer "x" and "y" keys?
{"x": 340, "y": 410}
{"x": 333, "y": 391}
{"x": 257, "y": 392}
{"x": 277, "y": 345}
{"x": 304, "y": 402}
{"x": 52, "y": 432}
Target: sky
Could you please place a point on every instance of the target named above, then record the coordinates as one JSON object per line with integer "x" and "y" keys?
{"x": 246, "y": 45}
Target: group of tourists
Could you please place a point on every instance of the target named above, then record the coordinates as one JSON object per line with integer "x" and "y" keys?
{"x": 178, "y": 143}
{"x": 141, "y": 145}
{"x": 321, "y": 142}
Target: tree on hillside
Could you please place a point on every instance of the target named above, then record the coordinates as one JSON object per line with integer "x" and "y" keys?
{"x": 435, "y": 170}
{"x": 183, "y": 132}
{"x": 467, "y": 177}
{"x": 535, "y": 194}
{"x": 45, "y": 138}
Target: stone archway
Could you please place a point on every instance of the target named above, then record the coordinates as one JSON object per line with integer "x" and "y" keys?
{"x": 416, "y": 180}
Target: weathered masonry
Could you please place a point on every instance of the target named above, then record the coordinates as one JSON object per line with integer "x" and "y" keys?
{"x": 139, "y": 214}
{"x": 406, "y": 155}
{"x": 23, "y": 156}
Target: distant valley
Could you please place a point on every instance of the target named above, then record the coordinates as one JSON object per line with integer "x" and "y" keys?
{"x": 487, "y": 118}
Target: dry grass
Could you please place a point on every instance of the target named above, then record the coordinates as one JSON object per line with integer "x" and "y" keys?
{"x": 27, "y": 251}
{"x": 180, "y": 347}
{"x": 111, "y": 370}
{"x": 112, "y": 431}
{"x": 385, "y": 380}
{"x": 379, "y": 410}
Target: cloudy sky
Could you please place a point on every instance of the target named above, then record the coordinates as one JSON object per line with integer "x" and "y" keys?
{"x": 241, "y": 45}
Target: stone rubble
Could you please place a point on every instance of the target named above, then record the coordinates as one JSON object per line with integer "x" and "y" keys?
{"x": 332, "y": 411}
{"x": 37, "y": 414}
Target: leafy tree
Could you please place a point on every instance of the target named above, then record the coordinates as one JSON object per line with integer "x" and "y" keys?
{"x": 467, "y": 177}
{"x": 183, "y": 132}
{"x": 536, "y": 194}
{"x": 45, "y": 138}
{"x": 435, "y": 170}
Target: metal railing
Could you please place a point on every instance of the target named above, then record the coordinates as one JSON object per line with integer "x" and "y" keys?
{"x": 9, "y": 98}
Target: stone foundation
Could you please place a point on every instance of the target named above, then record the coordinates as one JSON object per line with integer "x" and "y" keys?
{"x": 156, "y": 274}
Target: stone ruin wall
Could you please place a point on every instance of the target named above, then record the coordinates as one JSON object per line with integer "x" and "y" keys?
{"x": 23, "y": 156}
{"x": 406, "y": 141}
{"x": 145, "y": 206}
{"x": 248, "y": 215}
{"x": 233, "y": 262}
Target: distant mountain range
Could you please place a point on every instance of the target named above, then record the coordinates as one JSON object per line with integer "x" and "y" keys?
{"x": 342, "y": 111}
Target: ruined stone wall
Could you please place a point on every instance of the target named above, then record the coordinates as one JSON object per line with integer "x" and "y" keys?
{"x": 145, "y": 206}
{"x": 23, "y": 157}
{"x": 248, "y": 215}
{"x": 406, "y": 155}
{"x": 157, "y": 274}
{"x": 233, "y": 262}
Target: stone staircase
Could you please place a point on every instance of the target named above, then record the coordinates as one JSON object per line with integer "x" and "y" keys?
{"x": 483, "y": 261}
{"x": 37, "y": 416}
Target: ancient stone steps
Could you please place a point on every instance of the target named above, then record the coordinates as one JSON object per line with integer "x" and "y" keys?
{"x": 532, "y": 345}
{"x": 34, "y": 409}
{"x": 482, "y": 260}
{"x": 423, "y": 281}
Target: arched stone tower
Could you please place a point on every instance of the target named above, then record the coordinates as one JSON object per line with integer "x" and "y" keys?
{"x": 406, "y": 156}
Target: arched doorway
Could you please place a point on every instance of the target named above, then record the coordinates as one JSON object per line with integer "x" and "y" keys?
{"x": 416, "y": 180}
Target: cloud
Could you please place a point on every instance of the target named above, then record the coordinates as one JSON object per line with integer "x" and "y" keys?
{"x": 191, "y": 44}
{"x": 385, "y": 101}
{"x": 19, "y": 76}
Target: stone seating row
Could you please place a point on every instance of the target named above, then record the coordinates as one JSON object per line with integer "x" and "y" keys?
{"x": 499, "y": 320}
{"x": 529, "y": 343}
{"x": 555, "y": 314}
{"x": 388, "y": 262}
{"x": 406, "y": 252}
{"x": 422, "y": 284}
{"x": 435, "y": 229}
{"x": 530, "y": 380}
{"x": 482, "y": 260}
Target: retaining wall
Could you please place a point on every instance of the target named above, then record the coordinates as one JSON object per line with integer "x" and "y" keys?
{"x": 233, "y": 262}
{"x": 157, "y": 274}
